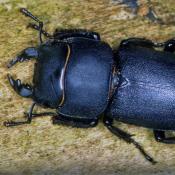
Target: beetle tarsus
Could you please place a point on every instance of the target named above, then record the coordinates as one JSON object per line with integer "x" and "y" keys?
{"x": 13, "y": 123}
{"x": 140, "y": 148}
{"x": 126, "y": 137}
{"x": 17, "y": 123}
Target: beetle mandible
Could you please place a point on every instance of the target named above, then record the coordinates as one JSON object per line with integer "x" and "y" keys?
{"x": 82, "y": 77}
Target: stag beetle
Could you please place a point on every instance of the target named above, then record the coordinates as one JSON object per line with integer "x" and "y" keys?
{"x": 82, "y": 77}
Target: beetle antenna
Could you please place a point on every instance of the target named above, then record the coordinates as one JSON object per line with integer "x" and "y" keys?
{"x": 36, "y": 27}
{"x": 29, "y": 14}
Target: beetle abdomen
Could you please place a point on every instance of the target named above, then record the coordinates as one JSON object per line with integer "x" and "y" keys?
{"x": 146, "y": 93}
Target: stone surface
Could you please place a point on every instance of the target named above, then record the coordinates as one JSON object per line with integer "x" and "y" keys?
{"x": 41, "y": 148}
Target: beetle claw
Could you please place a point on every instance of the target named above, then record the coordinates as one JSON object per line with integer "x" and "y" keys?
{"x": 24, "y": 90}
{"x": 9, "y": 123}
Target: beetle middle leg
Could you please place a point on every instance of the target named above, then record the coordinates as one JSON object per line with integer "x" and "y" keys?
{"x": 108, "y": 122}
{"x": 170, "y": 45}
{"x": 140, "y": 42}
{"x": 69, "y": 33}
{"x": 160, "y": 137}
{"x": 16, "y": 123}
{"x": 75, "y": 122}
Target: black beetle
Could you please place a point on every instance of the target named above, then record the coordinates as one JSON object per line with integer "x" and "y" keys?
{"x": 82, "y": 77}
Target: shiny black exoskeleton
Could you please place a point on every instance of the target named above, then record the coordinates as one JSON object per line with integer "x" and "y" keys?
{"x": 82, "y": 77}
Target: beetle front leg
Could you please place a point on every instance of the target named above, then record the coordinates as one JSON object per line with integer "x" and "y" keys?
{"x": 16, "y": 123}
{"x": 108, "y": 122}
{"x": 168, "y": 46}
{"x": 160, "y": 137}
{"x": 26, "y": 54}
{"x": 36, "y": 115}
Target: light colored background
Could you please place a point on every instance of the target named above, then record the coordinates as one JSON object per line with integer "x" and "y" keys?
{"x": 41, "y": 148}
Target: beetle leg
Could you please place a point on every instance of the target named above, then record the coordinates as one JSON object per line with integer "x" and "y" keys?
{"x": 26, "y": 54}
{"x": 170, "y": 45}
{"x": 16, "y": 123}
{"x": 74, "y": 122}
{"x": 137, "y": 42}
{"x": 140, "y": 42}
{"x": 35, "y": 115}
{"x": 160, "y": 137}
{"x": 69, "y": 33}
{"x": 23, "y": 90}
{"x": 108, "y": 122}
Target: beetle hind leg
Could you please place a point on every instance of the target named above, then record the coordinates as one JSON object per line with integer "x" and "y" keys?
{"x": 74, "y": 122}
{"x": 24, "y": 90}
{"x": 108, "y": 122}
{"x": 160, "y": 137}
{"x": 168, "y": 46}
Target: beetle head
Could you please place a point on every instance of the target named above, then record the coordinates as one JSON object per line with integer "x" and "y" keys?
{"x": 49, "y": 74}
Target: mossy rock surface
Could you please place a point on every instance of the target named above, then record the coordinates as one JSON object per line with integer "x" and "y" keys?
{"x": 41, "y": 148}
